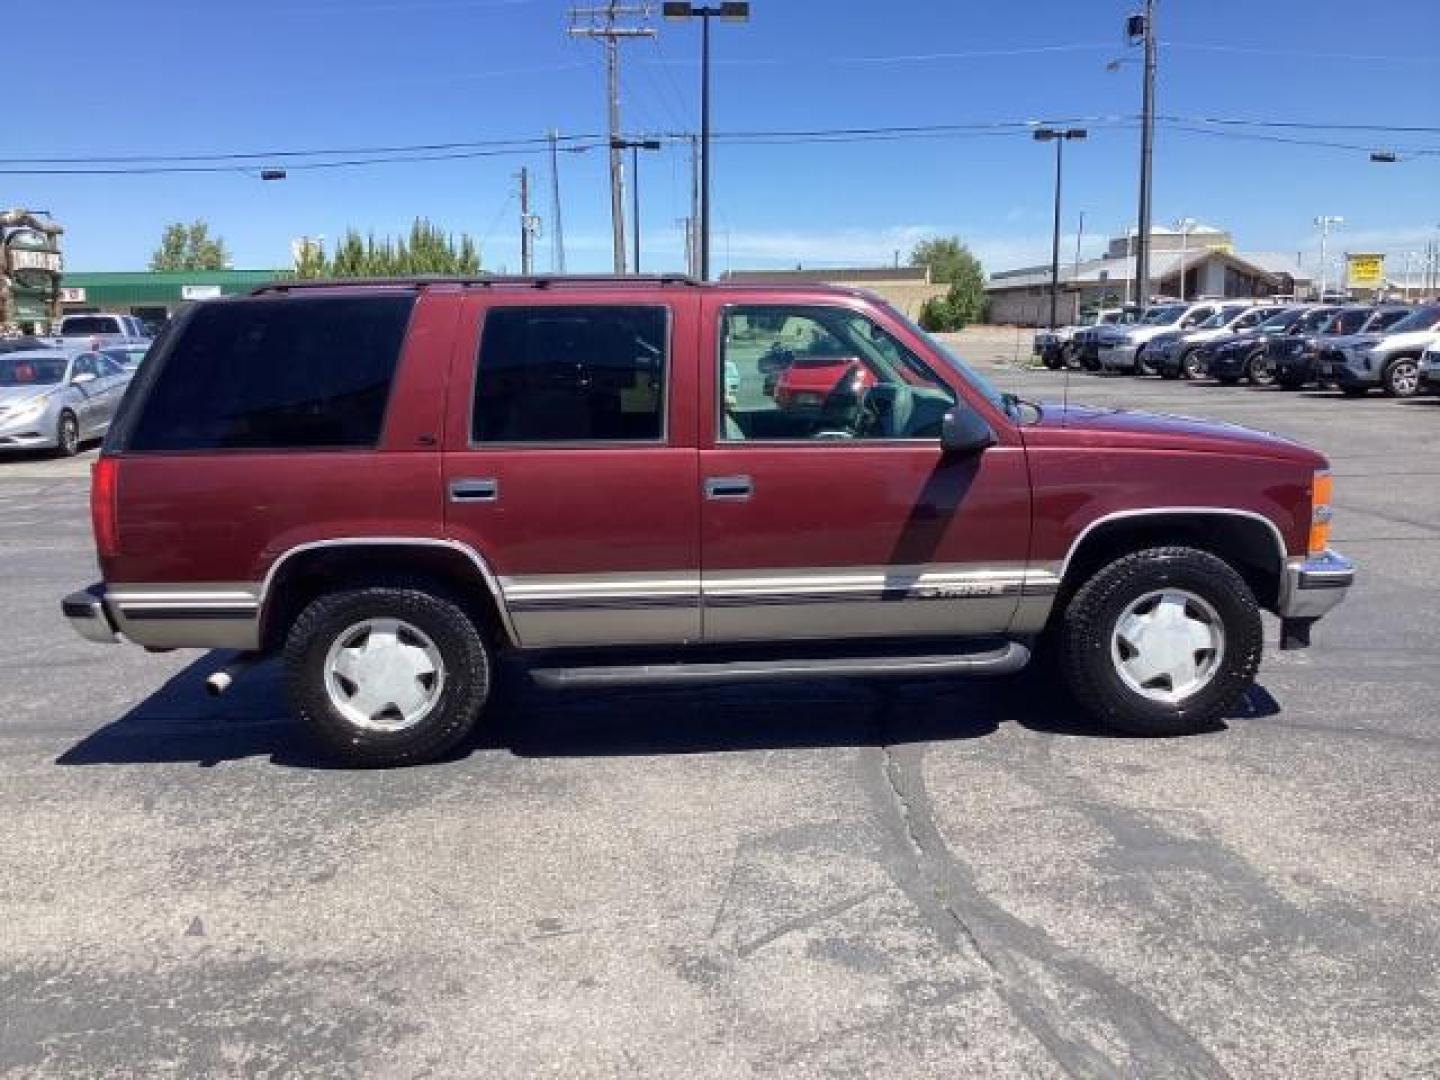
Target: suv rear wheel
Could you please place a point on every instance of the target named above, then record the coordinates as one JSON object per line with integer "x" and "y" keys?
{"x": 1161, "y": 642}
{"x": 386, "y": 675}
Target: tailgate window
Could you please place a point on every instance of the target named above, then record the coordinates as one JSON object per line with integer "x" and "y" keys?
{"x": 275, "y": 373}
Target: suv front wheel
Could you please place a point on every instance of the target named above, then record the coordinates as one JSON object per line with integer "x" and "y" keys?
{"x": 386, "y": 675}
{"x": 1162, "y": 642}
{"x": 1401, "y": 377}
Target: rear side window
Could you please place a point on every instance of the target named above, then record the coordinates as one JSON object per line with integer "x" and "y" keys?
{"x": 571, "y": 374}
{"x": 276, "y": 374}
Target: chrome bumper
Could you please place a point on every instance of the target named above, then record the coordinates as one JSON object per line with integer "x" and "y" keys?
{"x": 1313, "y": 586}
{"x": 87, "y": 615}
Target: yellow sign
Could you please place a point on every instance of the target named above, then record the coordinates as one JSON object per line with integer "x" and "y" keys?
{"x": 1365, "y": 271}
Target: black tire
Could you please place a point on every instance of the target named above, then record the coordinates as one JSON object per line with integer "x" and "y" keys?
{"x": 464, "y": 691}
{"x": 1143, "y": 365}
{"x": 67, "y": 435}
{"x": 1192, "y": 366}
{"x": 1401, "y": 377}
{"x": 1259, "y": 371}
{"x": 1089, "y": 622}
{"x": 1052, "y": 359}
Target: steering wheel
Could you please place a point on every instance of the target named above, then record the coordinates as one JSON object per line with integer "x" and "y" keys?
{"x": 884, "y": 412}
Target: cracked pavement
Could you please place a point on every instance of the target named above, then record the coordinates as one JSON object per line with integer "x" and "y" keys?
{"x": 930, "y": 878}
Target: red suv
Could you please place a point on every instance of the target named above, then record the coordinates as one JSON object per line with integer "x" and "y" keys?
{"x": 391, "y": 484}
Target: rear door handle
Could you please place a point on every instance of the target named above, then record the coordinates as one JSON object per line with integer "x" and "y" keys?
{"x": 735, "y": 488}
{"x": 474, "y": 490}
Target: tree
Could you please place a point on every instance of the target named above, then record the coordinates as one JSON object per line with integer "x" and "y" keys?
{"x": 426, "y": 249}
{"x": 189, "y": 247}
{"x": 951, "y": 263}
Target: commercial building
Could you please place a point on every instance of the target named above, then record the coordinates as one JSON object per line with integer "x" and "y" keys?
{"x": 1198, "y": 262}
{"x": 155, "y": 295}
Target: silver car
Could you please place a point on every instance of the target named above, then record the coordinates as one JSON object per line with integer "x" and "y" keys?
{"x": 53, "y": 399}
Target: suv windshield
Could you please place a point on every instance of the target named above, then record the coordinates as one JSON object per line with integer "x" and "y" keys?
{"x": 1313, "y": 320}
{"x": 1161, "y": 316}
{"x": 1423, "y": 318}
{"x": 978, "y": 382}
{"x": 1223, "y": 317}
{"x": 1281, "y": 320}
{"x": 22, "y": 370}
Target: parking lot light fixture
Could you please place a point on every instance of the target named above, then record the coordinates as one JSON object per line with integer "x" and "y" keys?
{"x": 1059, "y": 136}
{"x": 728, "y": 12}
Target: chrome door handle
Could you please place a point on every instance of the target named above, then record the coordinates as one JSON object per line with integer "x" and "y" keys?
{"x": 474, "y": 490}
{"x": 734, "y": 488}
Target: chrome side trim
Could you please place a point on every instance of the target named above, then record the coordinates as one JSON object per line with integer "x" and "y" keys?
{"x": 1170, "y": 511}
{"x": 492, "y": 581}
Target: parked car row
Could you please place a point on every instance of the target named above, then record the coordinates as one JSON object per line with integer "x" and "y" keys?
{"x": 1394, "y": 348}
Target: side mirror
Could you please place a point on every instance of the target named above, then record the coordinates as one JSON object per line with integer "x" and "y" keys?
{"x": 82, "y": 378}
{"x": 963, "y": 432}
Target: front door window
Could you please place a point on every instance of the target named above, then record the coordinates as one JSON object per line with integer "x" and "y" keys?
{"x": 807, "y": 373}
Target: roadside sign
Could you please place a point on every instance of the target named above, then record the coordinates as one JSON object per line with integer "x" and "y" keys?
{"x": 199, "y": 292}
{"x": 72, "y": 295}
{"x": 1365, "y": 270}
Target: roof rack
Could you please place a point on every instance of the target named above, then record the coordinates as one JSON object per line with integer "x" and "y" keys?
{"x": 531, "y": 281}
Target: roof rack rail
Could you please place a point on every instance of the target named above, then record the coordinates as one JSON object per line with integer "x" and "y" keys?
{"x": 533, "y": 281}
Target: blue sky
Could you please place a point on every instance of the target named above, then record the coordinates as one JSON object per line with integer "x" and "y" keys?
{"x": 177, "y": 77}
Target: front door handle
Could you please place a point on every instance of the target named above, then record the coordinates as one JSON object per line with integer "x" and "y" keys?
{"x": 473, "y": 489}
{"x": 734, "y": 488}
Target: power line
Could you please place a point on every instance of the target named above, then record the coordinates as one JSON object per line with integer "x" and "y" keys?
{"x": 1305, "y": 125}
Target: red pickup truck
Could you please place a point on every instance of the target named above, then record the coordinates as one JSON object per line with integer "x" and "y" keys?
{"x": 391, "y": 484}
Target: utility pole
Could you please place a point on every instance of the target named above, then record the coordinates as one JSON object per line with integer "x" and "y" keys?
{"x": 524, "y": 176}
{"x": 604, "y": 25}
{"x": 1143, "y": 26}
{"x": 557, "y": 235}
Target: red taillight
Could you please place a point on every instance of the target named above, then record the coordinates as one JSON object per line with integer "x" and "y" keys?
{"x": 103, "y": 509}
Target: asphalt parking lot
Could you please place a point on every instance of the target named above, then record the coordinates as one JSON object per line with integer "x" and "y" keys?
{"x": 941, "y": 879}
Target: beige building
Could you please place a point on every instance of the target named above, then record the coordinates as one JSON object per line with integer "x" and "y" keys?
{"x": 1200, "y": 262}
{"x": 906, "y": 288}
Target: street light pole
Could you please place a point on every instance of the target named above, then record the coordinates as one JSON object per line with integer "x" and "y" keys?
{"x": 635, "y": 146}
{"x": 1324, "y": 223}
{"x": 1143, "y": 26}
{"x": 732, "y": 12}
{"x": 1058, "y": 136}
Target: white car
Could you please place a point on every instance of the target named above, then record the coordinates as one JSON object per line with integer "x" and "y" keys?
{"x": 1127, "y": 351}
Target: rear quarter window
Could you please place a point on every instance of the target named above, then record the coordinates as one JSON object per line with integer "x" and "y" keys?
{"x": 275, "y": 374}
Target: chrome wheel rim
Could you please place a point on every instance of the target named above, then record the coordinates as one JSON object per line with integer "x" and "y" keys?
{"x": 384, "y": 675}
{"x": 1168, "y": 645}
{"x": 69, "y": 435}
{"x": 1193, "y": 366}
{"x": 1405, "y": 378}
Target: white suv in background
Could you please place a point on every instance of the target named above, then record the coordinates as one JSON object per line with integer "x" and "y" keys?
{"x": 1126, "y": 351}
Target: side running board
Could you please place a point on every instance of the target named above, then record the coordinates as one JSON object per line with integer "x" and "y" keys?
{"x": 1006, "y": 659}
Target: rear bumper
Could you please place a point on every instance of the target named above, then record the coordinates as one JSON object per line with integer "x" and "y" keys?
{"x": 168, "y": 616}
{"x": 85, "y": 611}
{"x": 1314, "y": 585}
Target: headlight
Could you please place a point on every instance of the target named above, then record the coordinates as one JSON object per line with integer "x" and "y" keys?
{"x": 26, "y": 410}
{"x": 1321, "y": 491}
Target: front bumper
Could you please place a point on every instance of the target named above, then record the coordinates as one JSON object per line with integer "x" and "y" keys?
{"x": 86, "y": 613}
{"x": 1346, "y": 376}
{"x": 1313, "y": 586}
